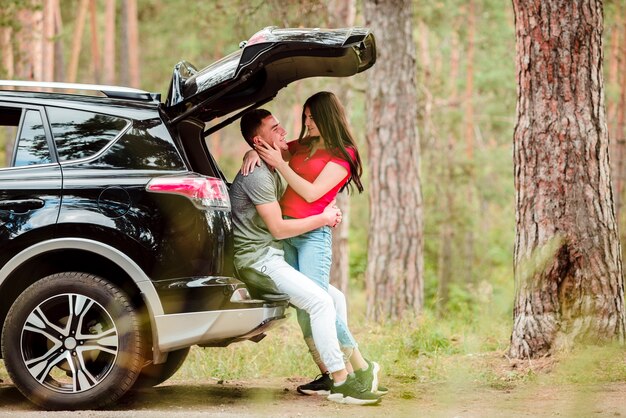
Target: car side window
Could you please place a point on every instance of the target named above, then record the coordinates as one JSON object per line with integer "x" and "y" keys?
{"x": 22, "y": 138}
{"x": 80, "y": 134}
{"x": 32, "y": 147}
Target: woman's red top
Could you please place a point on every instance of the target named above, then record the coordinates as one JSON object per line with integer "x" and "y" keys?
{"x": 292, "y": 204}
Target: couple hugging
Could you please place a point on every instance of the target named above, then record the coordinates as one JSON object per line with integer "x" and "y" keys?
{"x": 283, "y": 231}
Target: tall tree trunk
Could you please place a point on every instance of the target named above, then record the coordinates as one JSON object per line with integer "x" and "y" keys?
{"x": 108, "y": 66}
{"x": 8, "y": 57}
{"x": 95, "y": 47}
{"x": 25, "y": 41}
{"x": 468, "y": 123}
{"x": 37, "y": 34}
{"x": 124, "y": 53}
{"x": 59, "y": 51}
{"x": 342, "y": 14}
{"x": 394, "y": 277}
{"x": 133, "y": 43}
{"x": 77, "y": 39}
{"x": 568, "y": 266}
{"x": 446, "y": 233}
{"x": 48, "y": 41}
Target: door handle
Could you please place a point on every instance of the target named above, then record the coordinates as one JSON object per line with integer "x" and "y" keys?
{"x": 21, "y": 205}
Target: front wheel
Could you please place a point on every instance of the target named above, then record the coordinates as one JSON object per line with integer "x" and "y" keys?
{"x": 72, "y": 341}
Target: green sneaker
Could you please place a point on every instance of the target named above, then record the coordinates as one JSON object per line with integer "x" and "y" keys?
{"x": 369, "y": 378}
{"x": 352, "y": 392}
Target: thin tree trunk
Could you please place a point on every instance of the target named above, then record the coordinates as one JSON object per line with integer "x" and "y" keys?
{"x": 109, "y": 43}
{"x": 95, "y": 47}
{"x": 37, "y": 33}
{"x": 59, "y": 51}
{"x": 133, "y": 43}
{"x": 342, "y": 14}
{"x": 469, "y": 139}
{"x": 469, "y": 82}
{"x": 568, "y": 266}
{"x": 446, "y": 233}
{"x": 124, "y": 53}
{"x": 394, "y": 278}
{"x": 48, "y": 41}
{"x": 24, "y": 68}
{"x": 77, "y": 39}
{"x": 8, "y": 63}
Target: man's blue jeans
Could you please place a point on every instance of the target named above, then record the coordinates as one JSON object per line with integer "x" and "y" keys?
{"x": 311, "y": 254}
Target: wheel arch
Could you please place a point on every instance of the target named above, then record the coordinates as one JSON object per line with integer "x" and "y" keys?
{"x": 89, "y": 256}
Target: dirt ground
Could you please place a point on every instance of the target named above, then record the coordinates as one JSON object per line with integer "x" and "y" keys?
{"x": 277, "y": 397}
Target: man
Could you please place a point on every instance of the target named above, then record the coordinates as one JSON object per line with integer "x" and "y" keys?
{"x": 258, "y": 229}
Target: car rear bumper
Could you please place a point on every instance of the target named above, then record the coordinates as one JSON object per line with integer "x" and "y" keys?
{"x": 216, "y": 328}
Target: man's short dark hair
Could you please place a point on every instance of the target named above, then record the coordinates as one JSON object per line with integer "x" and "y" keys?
{"x": 250, "y": 122}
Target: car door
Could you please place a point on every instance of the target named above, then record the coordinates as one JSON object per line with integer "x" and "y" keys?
{"x": 30, "y": 179}
{"x": 267, "y": 62}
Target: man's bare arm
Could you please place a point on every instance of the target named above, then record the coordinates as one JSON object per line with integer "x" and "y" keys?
{"x": 286, "y": 228}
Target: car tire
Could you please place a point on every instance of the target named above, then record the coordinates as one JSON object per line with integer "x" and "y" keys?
{"x": 72, "y": 341}
{"x": 154, "y": 374}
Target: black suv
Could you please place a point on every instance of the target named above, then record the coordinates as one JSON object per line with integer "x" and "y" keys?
{"x": 115, "y": 220}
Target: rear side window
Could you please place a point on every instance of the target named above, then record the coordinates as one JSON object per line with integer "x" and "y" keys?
{"x": 22, "y": 138}
{"x": 32, "y": 147}
{"x": 79, "y": 134}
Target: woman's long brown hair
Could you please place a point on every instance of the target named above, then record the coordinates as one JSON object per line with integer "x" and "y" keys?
{"x": 330, "y": 118}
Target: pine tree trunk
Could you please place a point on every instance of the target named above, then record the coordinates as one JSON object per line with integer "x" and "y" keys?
{"x": 568, "y": 266}
{"x": 394, "y": 277}
{"x": 447, "y": 202}
{"x": 37, "y": 43}
{"x": 133, "y": 43}
{"x": 468, "y": 122}
{"x": 48, "y": 40}
{"x": 8, "y": 65}
{"x": 108, "y": 61}
{"x": 95, "y": 46}
{"x": 59, "y": 50}
{"x": 77, "y": 39}
{"x": 342, "y": 14}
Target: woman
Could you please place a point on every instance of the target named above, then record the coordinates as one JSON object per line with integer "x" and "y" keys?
{"x": 317, "y": 166}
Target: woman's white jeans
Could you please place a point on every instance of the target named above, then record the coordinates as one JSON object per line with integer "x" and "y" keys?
{"x": 308, "y": 296}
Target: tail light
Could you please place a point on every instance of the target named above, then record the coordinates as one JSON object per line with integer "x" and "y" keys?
{"x": 204, "y": 192}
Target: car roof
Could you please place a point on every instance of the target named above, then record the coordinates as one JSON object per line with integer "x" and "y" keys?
{"x": 117, "y": 92}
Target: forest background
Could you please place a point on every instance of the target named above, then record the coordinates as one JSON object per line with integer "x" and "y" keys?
{"x": 466, "y": 79}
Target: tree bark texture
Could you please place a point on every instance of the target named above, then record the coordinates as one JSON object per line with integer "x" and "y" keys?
{"x": 47, "y": 57}
{"x": 394, "y": 276}
{"x": 568, "y": 267}
{"x": 132, "y": 28}
{"x": 342, "y": 13}
{"x": 95, "y": 45}
{"x": 108, "y": 61}
{"x": 79, "y": 27}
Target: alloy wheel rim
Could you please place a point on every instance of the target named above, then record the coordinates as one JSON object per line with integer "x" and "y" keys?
{"x": 69, "y": 343}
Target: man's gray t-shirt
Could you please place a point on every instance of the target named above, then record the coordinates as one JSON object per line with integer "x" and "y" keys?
{"x": 252, "y": 238}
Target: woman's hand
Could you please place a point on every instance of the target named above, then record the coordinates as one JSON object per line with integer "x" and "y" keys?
{"x": 271, "y": 155}
{"x": 250, "y": 161}
{"x": 332, "y": 214}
